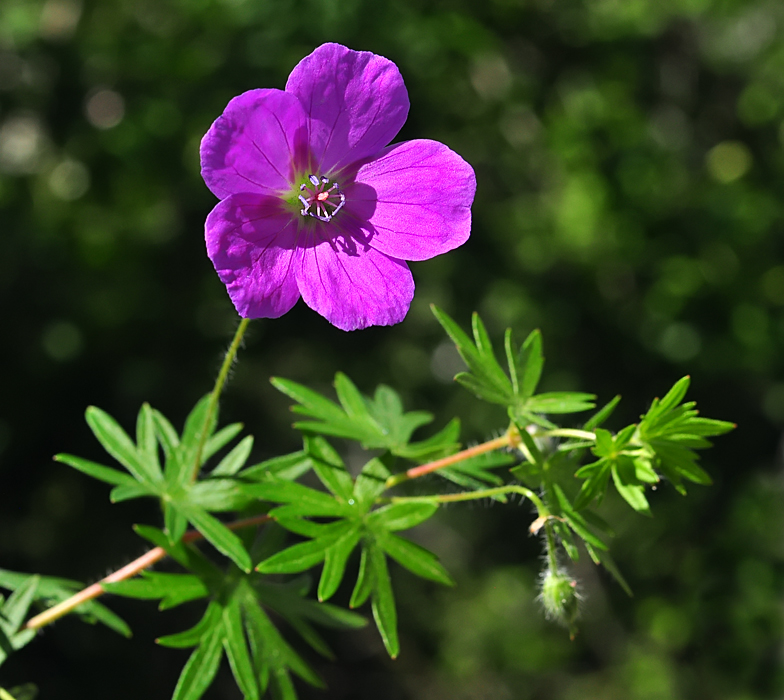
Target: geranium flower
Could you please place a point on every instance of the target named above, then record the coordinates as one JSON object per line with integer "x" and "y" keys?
{"x": 314, "y": 203}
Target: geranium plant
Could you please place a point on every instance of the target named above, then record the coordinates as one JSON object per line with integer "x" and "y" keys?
{"x": 315, "y": 203}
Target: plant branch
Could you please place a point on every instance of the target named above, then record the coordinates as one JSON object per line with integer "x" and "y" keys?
{"x": 220, "y": 382}
{"x": 509, "y": 439}
{"x": 138, "y": 565}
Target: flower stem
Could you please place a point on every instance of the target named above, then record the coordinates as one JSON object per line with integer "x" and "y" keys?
{"x": 220, "y": 382}
{"x": 143, "y": 562}
{"x": 509, "y": 439}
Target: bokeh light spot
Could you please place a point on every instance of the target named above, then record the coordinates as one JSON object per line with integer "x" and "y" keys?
{"x": 69, "y": 180}
{"x": 105, "y": 108}
{"x": 680, "y": 342}
{"x": 62, "y": 341}
{"x": 728, "y": 161}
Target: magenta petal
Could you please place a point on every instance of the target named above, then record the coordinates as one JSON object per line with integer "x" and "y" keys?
{"x": 254, "y": 144}
{"x": 357, "y": 290}
{"x": 356, "y": 102}
{"x": 417, "y": 199}
{"x": 252, "y": 242}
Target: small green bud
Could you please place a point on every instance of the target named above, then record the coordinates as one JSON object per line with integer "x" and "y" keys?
{"x": 561, "y": 599}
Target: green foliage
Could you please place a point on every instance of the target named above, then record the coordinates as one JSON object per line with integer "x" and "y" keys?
{"x": 183, "y": 498}
{"x": 360, "y": 517}
{"x": 663, "y": 442}
{"x": 358, "y": 523}
{"x": 377, "y": 423}
{"x": 487, "y": 380}
{"x": 52, "y": 590}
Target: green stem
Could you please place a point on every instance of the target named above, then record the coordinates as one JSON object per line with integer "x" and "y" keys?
{"x": 473, "y": 495}
{"x": 569, "y": 433}
{"x": 220, "y": 382}
{"x": 552, "y": 559}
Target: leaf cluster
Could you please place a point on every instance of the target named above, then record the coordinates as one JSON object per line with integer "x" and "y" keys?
{"x": 349, "y": 526}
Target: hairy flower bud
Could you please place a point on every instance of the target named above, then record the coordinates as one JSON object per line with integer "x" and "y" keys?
{"x": 561, "y": 599}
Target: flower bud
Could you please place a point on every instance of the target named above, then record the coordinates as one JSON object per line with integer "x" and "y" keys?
{"x": 561, "y": 599}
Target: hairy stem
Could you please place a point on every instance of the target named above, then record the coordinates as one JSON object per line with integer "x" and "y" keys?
{"x": 220, "y": 382}
{"x": 552, "y": 559}
{"x": 143, "y": 562}
{"x": 509, "y": 439}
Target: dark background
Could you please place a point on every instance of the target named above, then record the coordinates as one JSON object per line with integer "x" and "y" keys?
{"x": 629, "y": 164}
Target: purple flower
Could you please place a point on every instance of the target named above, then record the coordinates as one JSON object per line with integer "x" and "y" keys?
{"x": 314, "y": 203}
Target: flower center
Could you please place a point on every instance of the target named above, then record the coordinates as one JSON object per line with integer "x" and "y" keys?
{"x": 320, "y": 199}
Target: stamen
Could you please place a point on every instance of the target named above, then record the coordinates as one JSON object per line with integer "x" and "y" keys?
{"x": 324, "y": 199}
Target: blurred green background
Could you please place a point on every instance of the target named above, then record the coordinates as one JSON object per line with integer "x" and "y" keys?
{"x": 630, "y": 170}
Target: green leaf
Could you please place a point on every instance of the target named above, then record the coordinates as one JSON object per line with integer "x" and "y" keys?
{"x": 310, "y": 402}
{"x": 175, "y": 522}
{"x": 487, "y": 380}
{"x": 329, "y": 468}
{"x": 604, "y": 558}
{"x": 200, "y": 670}
{"x": 186, "y": 555}
{"x": 128, "y": 491}
{"x": 267, "y": 645}
{"x": 304, "y": 555}
{"x": 234, "y": 460}
{"x": 27, "y": 691}
{"x": 386, "y": 409}
{"x": 602, "y": 414}
{"x": 171, "y": 589}
{"x": 416, "y": 559}
{"x": 632, "y": 493}
{"x": 560, "y": 402}
{"x": 220, "y": 439}
{"x": 285, "y": 468}
{"x": 443, "y": 443}
{"x": 595, "y": 485}
{"x": 191, "y": 637}
{"x": 335, "y": 563}
{"x": 219, "y": 536}
{"x": 237, "y": 650}
{"x": 482, "y": 390}
{"x": 575, "y": 520}
{"x": 219, "y": 495}
{"x": 52, "y": 590}
{"x": 117, "y": 443}
{"x": 303, "y": 501}
{"x": 98, "y": 471}
{"x": 383, "y": 601}
{"x": 182, "y": 466}
{"x": 377, "y": 423}
{"x": 12, "y": 615}
{"x": 167, "y": 435}
{"x": 529, "y": 364}
{"x": 15, "y": 608}
{"x": 352, "y": 401}
{"x": 400, "y": 516}
{"x": 371, "y": 482}
{"x": 364, "y": 584}
{"x": 146, "y": 440}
